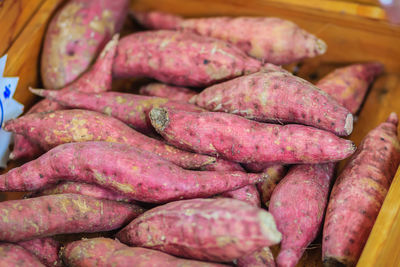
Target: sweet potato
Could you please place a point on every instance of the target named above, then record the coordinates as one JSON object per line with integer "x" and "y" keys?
{"x": 269, "y": 39}
{"x": 16, "y": 256}
{"x": 248, "y": 193}
{"x": 276, "y": 96}
{"x": 67, "y": 53}
{"x": 238, "y": 139}
{"x": 298, "y": 205}
{"x": 129, "y": 108}
{"x": 134, "y": 173}
{"x": 261, "y": 258}
{"x": 45, "y": 249}
{"x": 349, "y": 85}
{"x": 173, "y": 57}
{"x": 61, "y": 214}
{"x": 63, "y": 126}
{"x": 167, "y": 91}
{"x": 358, "y": 194}
{"x": 103, "y": 252}
{"x": 218, "y": 230}
{"x": 275, "y": 174}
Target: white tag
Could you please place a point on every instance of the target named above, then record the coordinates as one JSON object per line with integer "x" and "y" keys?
{"x": 9, "y": 109}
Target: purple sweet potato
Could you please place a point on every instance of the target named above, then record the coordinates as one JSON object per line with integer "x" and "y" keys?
{"x": 76, "y": 35}
{"x": 275, "y": 174}
{"x": 277, "y": 96}
{"x": 261, "y": 258}
{"x": 270, "y": 39}
{"x": 129, "y": 108}
{"x": 238, "y": 139}
{"x": 358, "y": 194}
{"x": 218, "y": 230}
{"x": 184, "y": 59}
{"x": 60, "y": 214}
{"x": 298, "y": 204}
{"x": 349, "y": 85}
{"x": 167, "y": 91}
{"x": 105, "y": 252}
{"x": 136, "y": 174}
{"x": 45, "y": 249}
{"x": 12, "y": 255}
{"x": 63, "y": 126}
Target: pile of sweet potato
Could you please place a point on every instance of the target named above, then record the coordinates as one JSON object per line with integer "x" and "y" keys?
{"x": 210, "y": 175}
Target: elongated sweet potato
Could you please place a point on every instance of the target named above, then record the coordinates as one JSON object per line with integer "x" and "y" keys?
{"x": 298, "y": 205}
{"x": 16, "y": 256}
{"x": 63, "y": 126}
{"x": 45, "y": 249}
{"x": 269, "y": 39}
{"x": 137, "y": 174}
{"x": 173, "y": 57}
{"x": 277, "y": 96}
{"x": 67, "y": 53}
{"x": 358, "y": 194}
{"x": 129, "y": 108}
{"x": 238, "y": 139}
{"x": 103, "y": 252}
{"x": 275, "y": 174}
{"x": 218, "y": 230}
{"x": 349, "y": 85}
{"x": 261, "y": 258}
{"x": 167, "y": 91}
{"x": 59, "y": 214}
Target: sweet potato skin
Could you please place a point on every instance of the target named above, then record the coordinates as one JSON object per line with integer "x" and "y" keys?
{"x": 17, "y": 256}
{"x": 349, "y": 85}
{"x": 65, "y": 55}
{"x": 261, "y": 258}
{"x": 179, "y": 227}
{"x": 134, "y": 173}
{"x": 259, "y": 40}
{"x": 248, "y": 194}
{"x": 298, "y": 204}
{"x": 60, "y": 214}
{"x": 264, "y": 96}
{"x": 173, "y": 57}
{"x": 45, "y": 249}
{"x": 275, "y": 174}
{"x": 228, "y": 136}
{"x": 63, "y": 126}
{"x": 101, "y": 252}
{"x": 167, "y": 91}
{"x": 358, "y": 194}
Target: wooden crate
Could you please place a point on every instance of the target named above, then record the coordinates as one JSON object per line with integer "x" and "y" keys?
{"x": 355, "y": 31}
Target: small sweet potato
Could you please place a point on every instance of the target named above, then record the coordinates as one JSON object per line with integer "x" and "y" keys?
{"x": 218, "y": 230}
{"x": 269, "y": 39}
{"x": 261, "y": 258}
{"x": 167, "y": 91}
{"x": 248, "y": 193}
{"x": 12, "y": 255}
{"x": 349, "y": 85}
{"x": 173, "y": 57}
{"x": 60, "y": 214}
{"x": 104, "y": 252}
{"x": 277, "y": 96}
{"x": 238, "y": 139}
{"x": 298, "y": 205}
{"x": 358, "y": 194}
{"x": 67, "y": 53}
{"x": 275, "y": 173}
{"x": 45, "y": 249}
{"x": 63, "y": 126}
{"x": 134, "y": 173}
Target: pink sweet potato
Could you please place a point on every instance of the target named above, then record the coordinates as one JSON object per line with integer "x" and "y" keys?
{"x": 277, "y": 96}
{"x": 75, "y": 36}
{"x": 248, "y": 193}
{"x": 261, "y": 258}
{"x": 129, "y": 108}
{"x": 167, "y": 91}
{"x": 60, "y": 214}
{"x": 358, "y": 194}
{"x": 238, "y": 139}
{"x": 218, "y": 230}
{"x": 298, "y": 205}
{"x": 349, "y": 85}
{"x": 136, "y": 174}
{"x": 173, "y": 57}
{"x": 275, "y": 174}
{"x": 63, "y": 126}
{"x": 12, "y": 255}
{"x": 269, "y": 39}
{"x": 105, "y": 252}
{"x": 45, "y": 249}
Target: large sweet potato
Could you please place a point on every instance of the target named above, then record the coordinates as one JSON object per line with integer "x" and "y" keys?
{"x": 16, "y": 256}
{"x": 219, "y": 229}
{"x": 45, "y": 249}
{"x": 167, "y": 91}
